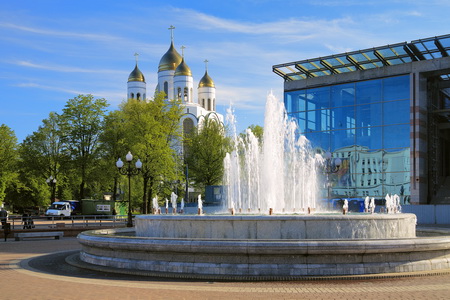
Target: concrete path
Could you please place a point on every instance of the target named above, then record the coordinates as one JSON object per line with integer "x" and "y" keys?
{"x": 36, "y": 269}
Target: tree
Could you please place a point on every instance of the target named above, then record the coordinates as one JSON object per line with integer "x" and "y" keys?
{"x": 151, "y": 129}
{"x": 112, "y": 147}
{"x": 258, "y": 132}
{"x": 82, "y": 122}
{"x": 8, "y": 158}
{"x": 43, "y": 153}
{"x": 205, "y": 150}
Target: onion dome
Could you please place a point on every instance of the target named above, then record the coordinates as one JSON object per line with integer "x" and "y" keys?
{"x": 183, "y": 69}
{"x": 206, "y": 81}
{"x": 170, "y": 60}
{"x": 136, "y": 75}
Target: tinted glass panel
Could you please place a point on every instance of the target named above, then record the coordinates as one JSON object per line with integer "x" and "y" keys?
{"x": 368, "y": 115}
{"x": 325, "y": 119}
{"x": 367, "y": 126}
{"x": 368, "y": 91}
{"x": 311, "y": 121}
{"x": 294, "y": 101}
{"x": 319, "y": 139}
{"x": 395, "y": 181}
{"x": 395, "y": 112}
{"x": 396, "y": 136}
{"x": 301, "y": 120}
{"x": 342, "y": 138}
{"x": 396, "y": 88}
{"x": 343, "y": 95}
{"x": 318, "y": 98}
{"x": 343, "y": 117}
{"x": 397, "y": 161}
{"x": 370, "y": 137}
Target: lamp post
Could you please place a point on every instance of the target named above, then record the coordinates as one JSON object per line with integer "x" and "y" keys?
{"x": 186, "y": 195}
{"x": 51, "y": 182}
{"x": 129, "y": 171}
{"x": 331, "y": 166}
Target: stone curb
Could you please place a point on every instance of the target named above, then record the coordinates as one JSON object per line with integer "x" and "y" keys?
{"x": 75, "y": 261}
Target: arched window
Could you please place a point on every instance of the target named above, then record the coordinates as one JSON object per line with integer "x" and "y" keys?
{"x": 166, "y": 88}
{"x": 179, "y": 93}
{"x": 132, "y": 96}
{"x": 209, "y": 104}
{"x": 138, "y": 96}
{"x": 186, "y": 94}
{"x": 188, "y": 126}
{"x": 203, "y": 102}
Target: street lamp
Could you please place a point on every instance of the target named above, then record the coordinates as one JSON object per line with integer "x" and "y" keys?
{"x": 331, "y": 166}
{"x": 52, "y": 184}
{"x": 129, "y": 171}
{"x": 186, "y": 194}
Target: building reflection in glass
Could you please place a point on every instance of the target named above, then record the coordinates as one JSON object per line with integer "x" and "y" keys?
{"x": 366, "y": 125}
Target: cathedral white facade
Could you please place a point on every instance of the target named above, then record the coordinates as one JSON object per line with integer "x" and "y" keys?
{"x": 176, "y": 81}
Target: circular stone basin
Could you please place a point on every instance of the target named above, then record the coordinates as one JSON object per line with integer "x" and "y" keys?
{"x": 266, "y": 247}
{"x": 278, "y": 227}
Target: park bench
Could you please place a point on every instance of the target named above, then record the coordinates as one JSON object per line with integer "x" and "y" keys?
{"x": 21, "y": 235}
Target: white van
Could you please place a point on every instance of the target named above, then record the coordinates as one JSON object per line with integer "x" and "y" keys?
{"x": 59, "y": 209}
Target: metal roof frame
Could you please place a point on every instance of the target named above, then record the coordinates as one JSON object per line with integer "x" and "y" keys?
{"x": 423, "y": 49}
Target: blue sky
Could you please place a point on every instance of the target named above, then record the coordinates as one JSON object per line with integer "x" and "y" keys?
{"x": 53, "y": 50}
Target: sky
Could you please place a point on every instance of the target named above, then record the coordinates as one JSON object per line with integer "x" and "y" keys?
{"x": 53, "y": 50}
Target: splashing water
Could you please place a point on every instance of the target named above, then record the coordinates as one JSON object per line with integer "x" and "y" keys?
{"x": 280, "y": 175}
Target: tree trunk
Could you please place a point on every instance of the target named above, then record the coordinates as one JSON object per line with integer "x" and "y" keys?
{"x": 82, "y": 184}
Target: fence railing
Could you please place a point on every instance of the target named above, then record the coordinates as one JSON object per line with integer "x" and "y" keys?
{"x": 44, "y": 222}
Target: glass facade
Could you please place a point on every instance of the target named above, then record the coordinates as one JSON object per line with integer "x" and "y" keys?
{"x": 366, "y": 125}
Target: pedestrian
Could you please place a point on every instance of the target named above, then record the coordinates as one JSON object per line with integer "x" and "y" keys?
{"x": 3, "y": 217}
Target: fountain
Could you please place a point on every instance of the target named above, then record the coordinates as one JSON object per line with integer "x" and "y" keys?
{"x": 281, "y": 177}
{"x": 273, "y": 231}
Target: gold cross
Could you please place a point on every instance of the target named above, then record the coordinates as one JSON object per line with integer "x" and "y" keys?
{"x": 171, "y": 28}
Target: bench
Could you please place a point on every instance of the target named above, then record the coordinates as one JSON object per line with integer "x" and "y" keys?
{"x": 21, "y": 235}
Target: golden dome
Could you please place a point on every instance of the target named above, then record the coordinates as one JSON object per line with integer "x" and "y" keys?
{"x": 206, "y": 81}
{"x": 136, "y": 75}
{"x": 170, "y": 60}
{"x": 183, "y": 69}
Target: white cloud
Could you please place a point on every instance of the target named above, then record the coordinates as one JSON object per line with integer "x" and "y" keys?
{"x": 299, "y": 29}
{"x": 65, "y": 34}
{"x": 70, "y": 69}
{"x": 48, "y": 87}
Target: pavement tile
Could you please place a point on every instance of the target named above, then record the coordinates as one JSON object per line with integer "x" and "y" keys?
{"x": 18, "y": 280}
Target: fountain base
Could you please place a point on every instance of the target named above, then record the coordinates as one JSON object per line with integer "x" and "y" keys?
{"x": 259, "y": 254}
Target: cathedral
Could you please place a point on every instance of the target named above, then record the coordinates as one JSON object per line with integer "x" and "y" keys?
{"x": 176, "y": 81}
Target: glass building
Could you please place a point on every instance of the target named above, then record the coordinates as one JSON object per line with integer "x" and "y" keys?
{"x": 384, "y": 111}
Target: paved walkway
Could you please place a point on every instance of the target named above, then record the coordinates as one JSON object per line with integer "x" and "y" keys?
{"x": 35, "y": 269}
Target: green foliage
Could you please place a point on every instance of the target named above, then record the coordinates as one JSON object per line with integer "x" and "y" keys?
{"x": 8, "y": 158}
{"x": 112, "y": 146}
{"x": 43, "y": 153}
{"x": 28, "y": 191}
{"x": 150, "y": 130}
{"x": 258, "y": 132}
{"x": 205, "y": 150}
{"x": 82, "y": 123}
